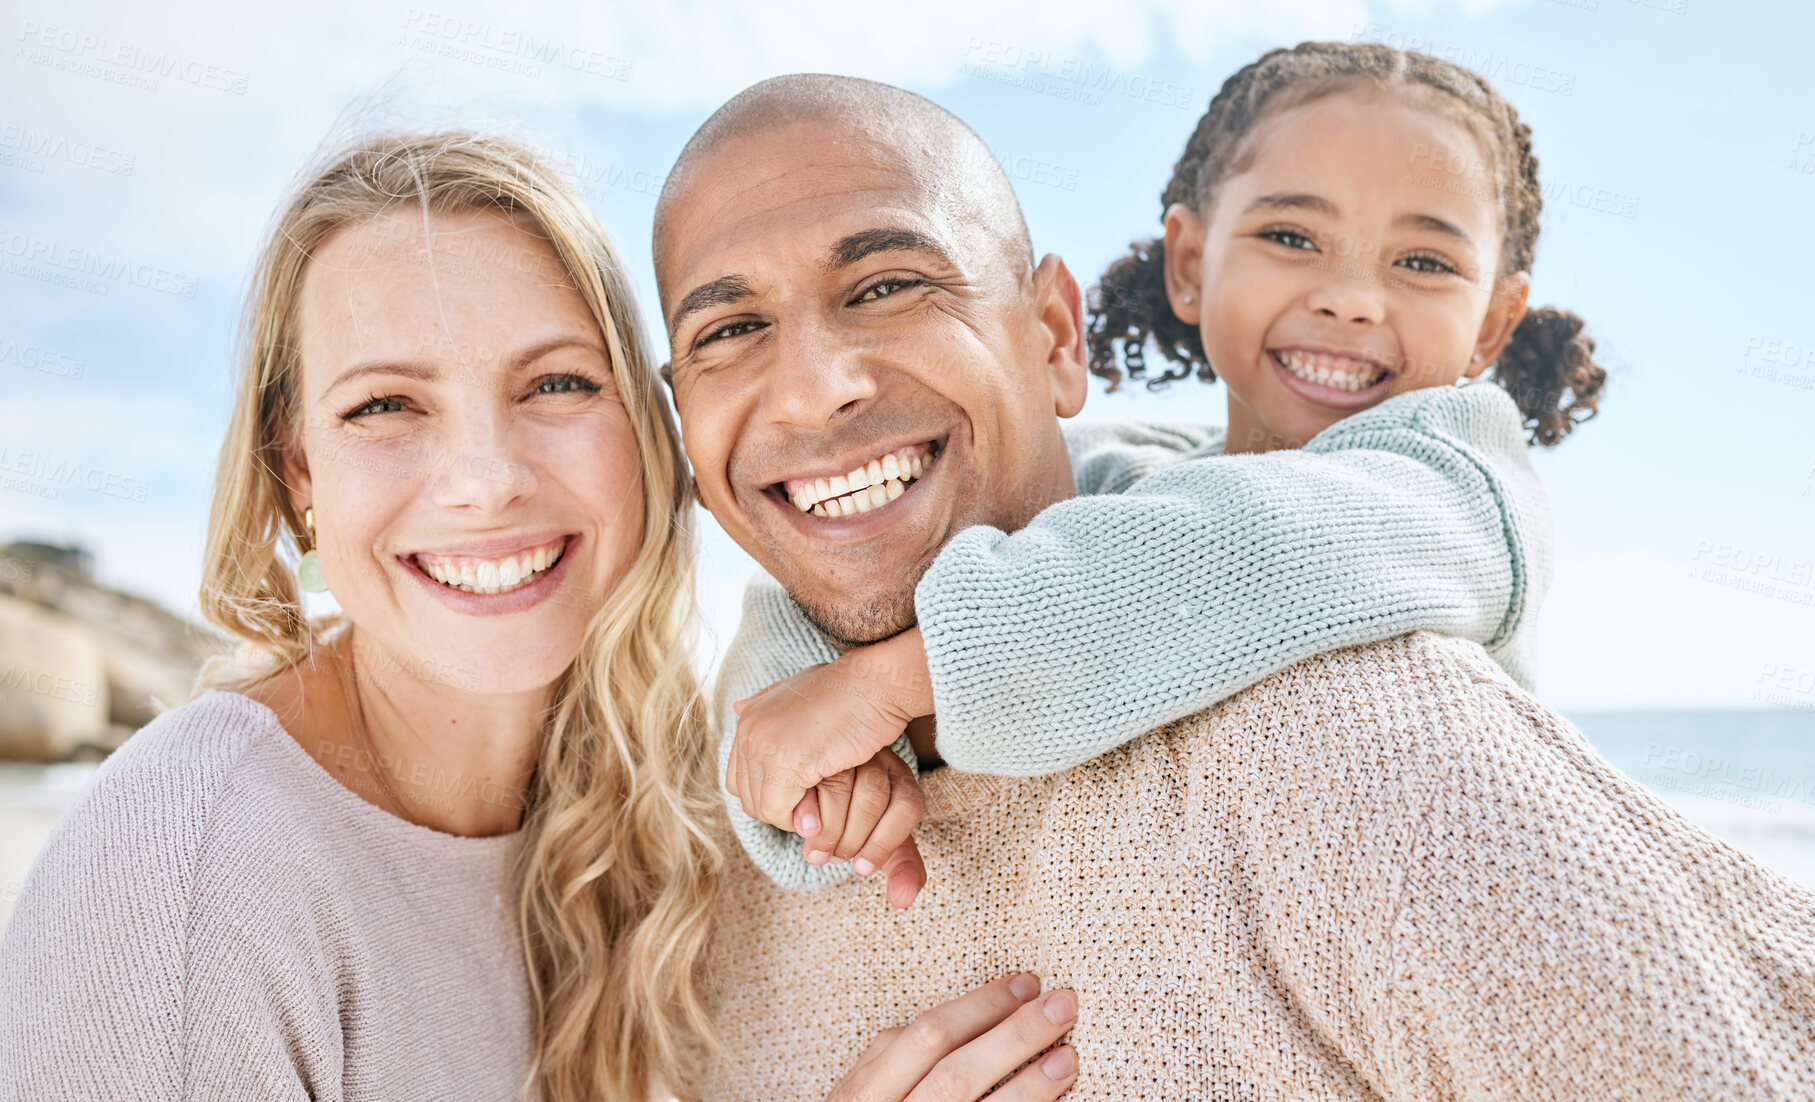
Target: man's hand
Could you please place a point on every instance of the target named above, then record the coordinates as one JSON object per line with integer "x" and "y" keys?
{"x": 823, "y": 721}
{"x": 869, "y": 814}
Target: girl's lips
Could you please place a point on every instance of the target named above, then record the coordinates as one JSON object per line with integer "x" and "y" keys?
{"x": 497, "y": 604}
{"x": 1330, "y": 397}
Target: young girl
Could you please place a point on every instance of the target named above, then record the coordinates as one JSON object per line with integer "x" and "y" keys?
{"x": 1348, "y": 234}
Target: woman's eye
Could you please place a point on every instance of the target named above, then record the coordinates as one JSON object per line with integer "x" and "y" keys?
{"x": 883, "y": 289}
{"x": 373, "y": 405}
{"x": 1291, "y": 239}
{"x": 725, "y": 332}
{"x": 1428, "y": 265}
{"x": 566, "y": 384}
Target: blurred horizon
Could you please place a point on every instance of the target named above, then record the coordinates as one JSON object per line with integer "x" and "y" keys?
{"x": 143, "y": 152}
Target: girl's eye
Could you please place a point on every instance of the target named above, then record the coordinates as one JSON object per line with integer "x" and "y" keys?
{"x": 1291, "y": 239}
{"x": 726, "y": 332}
{"x": 373, "y": 405}
{"x": 1428, "y": 264}
{"x": 883, "y": 288}
{"x": 566, "y": 384}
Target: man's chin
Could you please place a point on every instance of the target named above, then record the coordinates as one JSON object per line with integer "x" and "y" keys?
{"x": 857, "y": 619}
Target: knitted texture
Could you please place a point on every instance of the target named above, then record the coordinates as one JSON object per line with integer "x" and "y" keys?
{"x": 1383, "y": 873}
{"x": 216, "y": 917}
{"x": 1183, "y": 575}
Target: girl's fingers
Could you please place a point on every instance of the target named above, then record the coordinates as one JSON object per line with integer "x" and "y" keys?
{"x": 889, "y": 1071}
{"x": 806, "y": 815}
{"x": 905, "y": 808}
{"x": 973, "y": 1068}
{"x": 869, "y": 801}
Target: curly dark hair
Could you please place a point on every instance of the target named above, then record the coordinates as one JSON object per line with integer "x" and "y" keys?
{"x": 1548, "y": 365}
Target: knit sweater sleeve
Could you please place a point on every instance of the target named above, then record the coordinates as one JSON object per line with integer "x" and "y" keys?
{"x": 1110, "y": 615}
{"x": 774, "y": 641}
{"x": 97, "y": 977}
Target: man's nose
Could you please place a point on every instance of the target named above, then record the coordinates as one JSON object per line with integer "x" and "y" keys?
{"x": 818, "y": 376}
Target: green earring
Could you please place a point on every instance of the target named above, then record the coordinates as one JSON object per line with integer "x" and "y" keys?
{"x": 308, "y": 571}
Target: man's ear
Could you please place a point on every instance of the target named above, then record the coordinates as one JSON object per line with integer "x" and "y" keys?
{"x": 1505, "y": 310}
{"x": 1061, "y": 308}
{"x": 1184, "y": 263}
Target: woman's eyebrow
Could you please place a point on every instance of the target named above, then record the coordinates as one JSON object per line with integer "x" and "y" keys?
{"x": 424, "y": 371}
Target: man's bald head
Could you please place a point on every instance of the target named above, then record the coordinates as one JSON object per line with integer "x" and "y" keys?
{"x": 956, "y": 170}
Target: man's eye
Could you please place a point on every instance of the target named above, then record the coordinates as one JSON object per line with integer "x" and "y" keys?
{"x": 1427, "y": 264}
{"x": 883, "y": 288}
{"x": 1291, "y": 239}
{"x": 725, "y": 332}
{"x": 373, "y": 405}
{"x": 566, "y": 384}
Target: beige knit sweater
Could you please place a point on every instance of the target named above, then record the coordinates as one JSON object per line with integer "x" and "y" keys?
{"x": 216, "y": 917}
{"x": 1384, "y": 873}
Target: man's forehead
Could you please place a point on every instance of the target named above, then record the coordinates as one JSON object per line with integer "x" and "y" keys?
{"x": 752, "y": 193}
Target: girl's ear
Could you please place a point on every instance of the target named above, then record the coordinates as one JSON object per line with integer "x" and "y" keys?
{"x": 1061, "y": 311}
{"x": 1505, "y": 310}
{"x": 1184, "y": 262}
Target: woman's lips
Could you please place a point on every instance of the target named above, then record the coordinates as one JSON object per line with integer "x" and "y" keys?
{"x": 527, "y": 594}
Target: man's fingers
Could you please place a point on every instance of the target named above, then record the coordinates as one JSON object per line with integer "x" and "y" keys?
{"x": 912, "y": 1052}
{"x": 834, "y": 806}
{"x": 869, "y": 801}
{"x": 905, "y": 874}
{"x": 905, "y": 808}
{"x": 974, "y": 1067}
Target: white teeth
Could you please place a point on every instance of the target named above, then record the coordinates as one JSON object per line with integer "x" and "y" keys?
{"x": 820, "y": 510}
{"x": 891, "y": 467}
{"x": 1324, "y": 375}
{"x": 858, "y": 478}
{"x": 894, "y": 489}
{"x": 874, "y": 470}
{"x": 488, "y": 575}
{"x": 822, "y": 489}
{"x": 840, "y": 486}
{"x": 493, "y": 576}
{"x": 877, "y": 482}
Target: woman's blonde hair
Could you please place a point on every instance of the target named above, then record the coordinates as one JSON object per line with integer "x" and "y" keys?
{"x": 619, "y": 860}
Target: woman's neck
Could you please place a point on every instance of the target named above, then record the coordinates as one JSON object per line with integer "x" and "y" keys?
{"x": 442, "y": 757}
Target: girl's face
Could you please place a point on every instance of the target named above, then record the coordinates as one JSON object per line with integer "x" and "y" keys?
{"x": 474, "y": 476}
{"x": 1354, "y": 258}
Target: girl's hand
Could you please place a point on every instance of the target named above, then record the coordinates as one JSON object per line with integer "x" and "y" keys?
{"x": 961, "y": 1049}
{"x": 866, "y": 815}
{"x": 822, "y": 721}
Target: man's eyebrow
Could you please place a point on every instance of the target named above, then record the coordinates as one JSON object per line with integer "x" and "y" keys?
{"x": 1434, "y": 224}
{"x": 849, "y": 250}
{"x": 723, "y": 290}
{"x": 1293, "y": 201}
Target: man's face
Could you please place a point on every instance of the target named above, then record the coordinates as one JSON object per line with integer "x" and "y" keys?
{"x": 832, "y": 322}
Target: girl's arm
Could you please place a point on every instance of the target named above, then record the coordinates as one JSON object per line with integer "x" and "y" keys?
{"x": 1109, "y": 616}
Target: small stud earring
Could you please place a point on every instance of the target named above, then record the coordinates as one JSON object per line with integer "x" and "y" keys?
{"x": 1190, "y": 298}
{"x": 308, "y": 571}
{"x": 1477, "y": 358}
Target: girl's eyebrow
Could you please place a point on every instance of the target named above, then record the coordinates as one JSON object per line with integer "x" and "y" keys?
{"x": 1434, "y": 224}
{"x": 1293, "y": 201}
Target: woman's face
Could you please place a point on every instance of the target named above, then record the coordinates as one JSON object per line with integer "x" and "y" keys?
{"x": 1353, "y": 258}
{"x": 473, "y": 474}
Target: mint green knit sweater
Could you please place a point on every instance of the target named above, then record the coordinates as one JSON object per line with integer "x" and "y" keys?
{"x": 1181, "y": 576}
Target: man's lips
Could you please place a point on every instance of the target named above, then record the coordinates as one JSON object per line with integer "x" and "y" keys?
{"x": 869, "y": 484}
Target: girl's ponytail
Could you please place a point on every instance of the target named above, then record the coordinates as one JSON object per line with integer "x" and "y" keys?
{"x": 1128, "y": 306}
{"x": 1548, "y": 367}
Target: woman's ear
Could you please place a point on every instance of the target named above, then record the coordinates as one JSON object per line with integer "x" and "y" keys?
{"x": 1184, "y": 262}
{"x": 1061, "y": 310}
{"x": 1505, "y": 310}
{"x": 295, "y": 469}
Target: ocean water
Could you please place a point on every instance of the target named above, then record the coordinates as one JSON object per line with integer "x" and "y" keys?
{"x": 1745, "y": 776}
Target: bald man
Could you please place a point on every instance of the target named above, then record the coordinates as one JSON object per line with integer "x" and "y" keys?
{"x": 1385, "y": 872}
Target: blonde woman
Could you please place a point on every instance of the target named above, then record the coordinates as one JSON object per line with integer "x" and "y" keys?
{"x": 460, "y": 841}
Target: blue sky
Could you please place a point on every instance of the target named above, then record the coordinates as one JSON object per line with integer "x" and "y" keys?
{"x": 1676, "y": 137}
